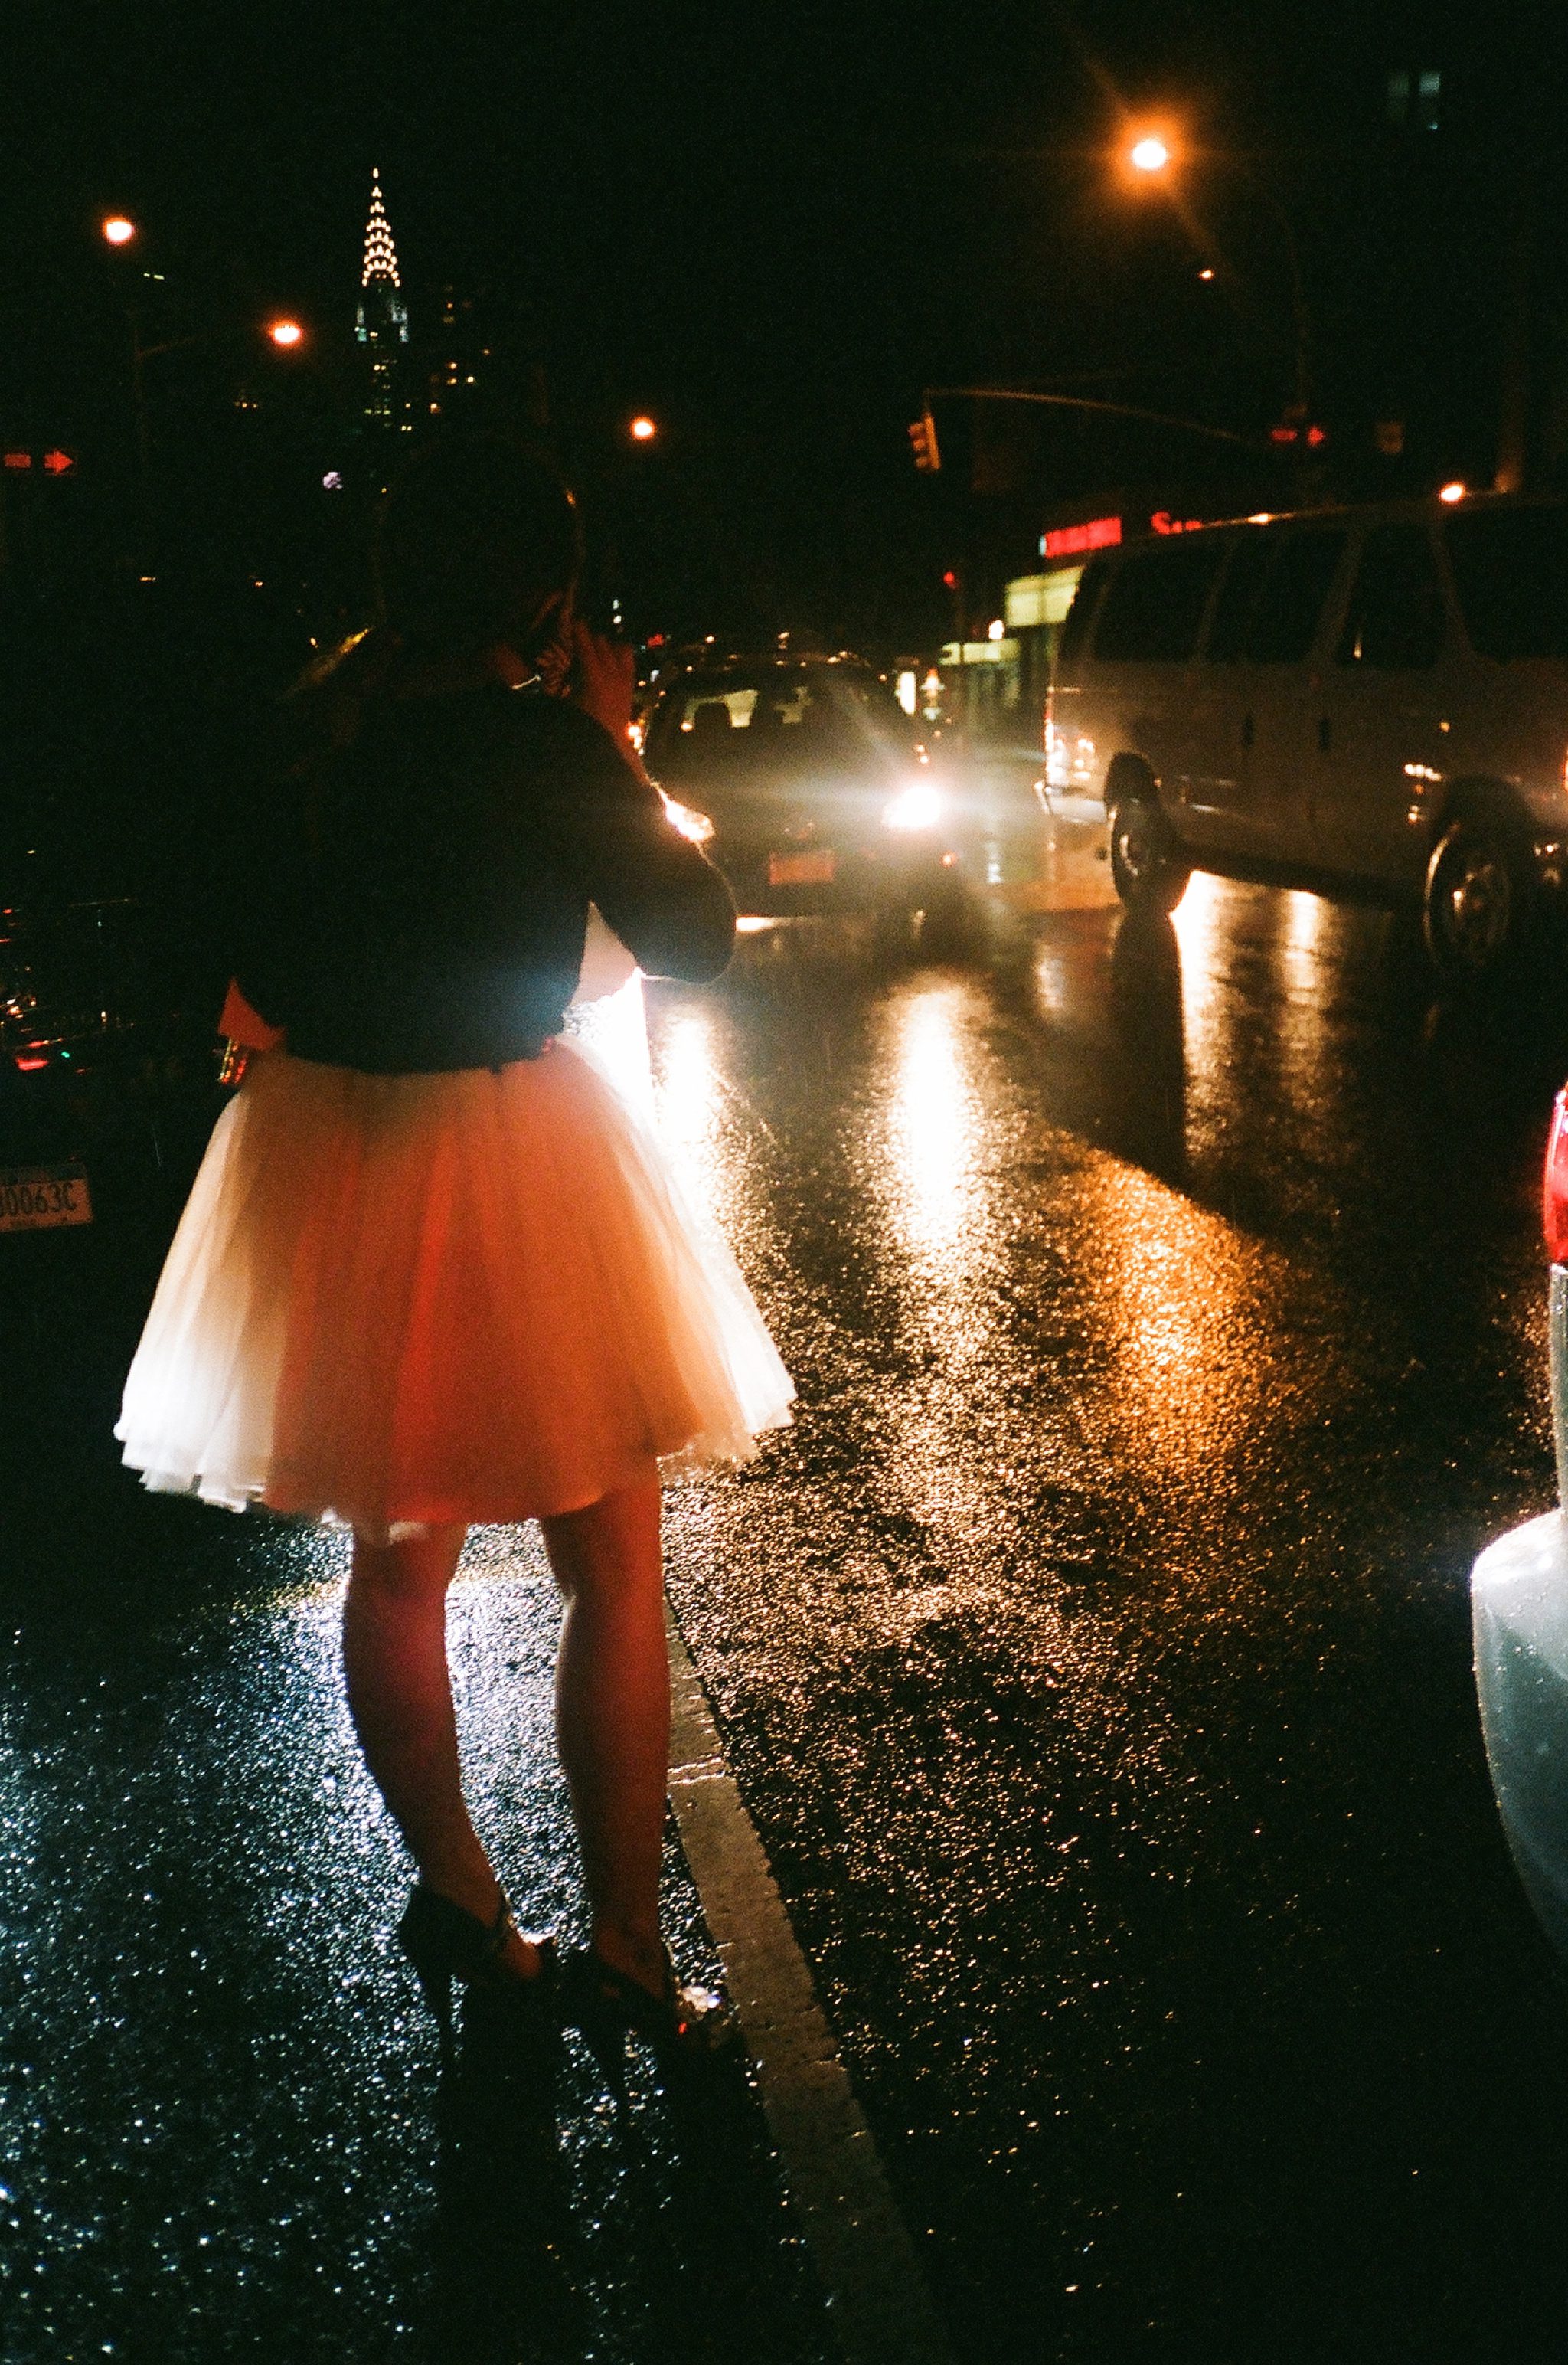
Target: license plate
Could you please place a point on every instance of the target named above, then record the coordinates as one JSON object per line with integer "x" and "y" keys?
{"x": 37, "y": 1198}
{"x": 814, "y": 870}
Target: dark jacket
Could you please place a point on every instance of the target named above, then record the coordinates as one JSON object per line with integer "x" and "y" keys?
{"x": 419, "y": 898}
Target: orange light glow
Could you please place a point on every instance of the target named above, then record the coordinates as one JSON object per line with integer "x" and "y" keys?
{"x": 1149, "y": 154}
{"x": 1450, "y": 493}
{"x": 1555, "y": 1203}
{"x": 118, "y": 229}
{"x": 286, "y": 333}
{"x": 691, "y": 824}
{"x": 643, "y": 431}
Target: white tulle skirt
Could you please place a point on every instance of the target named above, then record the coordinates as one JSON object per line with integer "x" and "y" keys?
{"x": 400, "y": 1301}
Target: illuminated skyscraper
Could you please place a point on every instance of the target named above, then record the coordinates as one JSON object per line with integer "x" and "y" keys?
{"x": 383, "y": 320}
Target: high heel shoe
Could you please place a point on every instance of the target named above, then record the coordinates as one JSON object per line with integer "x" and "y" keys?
{"x": 680, "y": 2022}
{"x": 445, "y": 1942}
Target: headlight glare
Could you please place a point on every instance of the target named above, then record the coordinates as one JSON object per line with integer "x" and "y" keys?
{"x": 919, "y": 807}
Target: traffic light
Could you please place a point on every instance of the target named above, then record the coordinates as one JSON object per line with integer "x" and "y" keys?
{"x": 1294, "y": 429}
{"x": 923, "y": 435}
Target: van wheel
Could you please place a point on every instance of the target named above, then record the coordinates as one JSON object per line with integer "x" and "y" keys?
{"x": 1145, "y": 864}
{"x": 1477, "y": 900}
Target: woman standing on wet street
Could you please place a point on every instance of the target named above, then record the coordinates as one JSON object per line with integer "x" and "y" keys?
{"x": 432, "y": 1271}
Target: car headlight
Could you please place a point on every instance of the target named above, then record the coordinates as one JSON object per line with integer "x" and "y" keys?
{"x": 691, "y": 824}
{"x": 919, "y": 807}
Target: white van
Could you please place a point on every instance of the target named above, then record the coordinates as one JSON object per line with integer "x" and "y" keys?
{"x": 1364, "y": 702}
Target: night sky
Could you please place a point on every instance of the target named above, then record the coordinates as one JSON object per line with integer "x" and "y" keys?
{"x": 772, "y": 226}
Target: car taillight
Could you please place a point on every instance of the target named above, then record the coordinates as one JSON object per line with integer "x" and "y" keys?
{"x": 1554, "y": 1198}
{"x": 28, "y": 1064}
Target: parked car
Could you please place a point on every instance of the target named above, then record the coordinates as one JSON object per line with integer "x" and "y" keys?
{"x": 1519, "y": 1609}
{"x": 128, "y": 717}
{"x": 104, "y": 1070}
{"x": 808, "y": 784}
{"x": 1368, "y": 703}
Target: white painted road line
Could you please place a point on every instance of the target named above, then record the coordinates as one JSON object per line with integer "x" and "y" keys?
{"x": 880, "y": 2307}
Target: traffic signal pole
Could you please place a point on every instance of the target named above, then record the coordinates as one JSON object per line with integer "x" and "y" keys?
{"x": 1066, "y": 402}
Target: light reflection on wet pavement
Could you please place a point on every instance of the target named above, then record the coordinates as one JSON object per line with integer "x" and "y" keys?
{"x": 1167, "y": 1315}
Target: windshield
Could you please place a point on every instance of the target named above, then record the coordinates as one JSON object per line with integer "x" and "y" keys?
{"x": 1510, "y": 569}
{"x": 782, "y": 709}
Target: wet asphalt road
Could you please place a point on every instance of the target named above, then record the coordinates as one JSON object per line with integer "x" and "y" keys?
{"x": 1167, "y": 1311}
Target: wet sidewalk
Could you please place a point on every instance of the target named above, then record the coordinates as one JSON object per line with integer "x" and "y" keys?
{"x": 227, "y": 2129}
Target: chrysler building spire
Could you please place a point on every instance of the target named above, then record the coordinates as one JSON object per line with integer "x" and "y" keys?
{"x": 380, "y": 254}
{"x": 381, "y": 325}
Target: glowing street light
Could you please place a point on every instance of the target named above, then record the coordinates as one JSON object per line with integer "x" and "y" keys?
{"x": 1150, "y": 155}
{"x": 118, "y": 228}
{"x": 644, "y": 429}
{"x": 1452, "y": 493}
{"x": 286, "y": 333}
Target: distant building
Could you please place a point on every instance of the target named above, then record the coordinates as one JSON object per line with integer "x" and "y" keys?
{"x": 481, "y": 367}
{"x": 381, "y": 325}
{"x": 460, "y": 350}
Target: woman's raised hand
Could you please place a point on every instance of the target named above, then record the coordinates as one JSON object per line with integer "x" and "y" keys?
{"x": 603, "y": 675}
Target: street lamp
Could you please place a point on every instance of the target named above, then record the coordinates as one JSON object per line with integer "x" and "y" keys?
{"x": 285, "y": 333}
{"x": 118, "y": 228}
{"x": 1150, "y": 155}
{"x": 644, "y": 429}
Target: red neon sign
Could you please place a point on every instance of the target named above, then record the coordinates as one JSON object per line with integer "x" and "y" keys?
{"x": 19, "y": 459}
{"x": 1098, "y": 534}
{"x": 1163, "y": 522}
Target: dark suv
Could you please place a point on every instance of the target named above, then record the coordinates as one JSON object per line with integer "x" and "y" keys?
{"x": 808, "y": 784}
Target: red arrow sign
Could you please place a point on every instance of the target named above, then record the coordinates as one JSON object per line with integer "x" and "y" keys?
{"x": 58, "y": 464}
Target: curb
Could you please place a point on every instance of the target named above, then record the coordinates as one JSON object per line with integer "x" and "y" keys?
{"x": 878, "y": 2302}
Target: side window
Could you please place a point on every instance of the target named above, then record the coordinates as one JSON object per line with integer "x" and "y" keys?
{"x": 1081, "y": 615}
{"x": 1249, "y": 556}
{"x": 1510, "y": 569}
{"x": 1395, "y": 620}
{"x": 1155, "y": 604}
{"x": 1285, "y": 621}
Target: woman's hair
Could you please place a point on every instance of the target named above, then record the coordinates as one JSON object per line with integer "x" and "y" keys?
{"x": 477, "y": 532}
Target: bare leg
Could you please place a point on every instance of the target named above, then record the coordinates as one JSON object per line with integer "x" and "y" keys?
{"x": 612, "y": 1714}
{"x": 400, "y": 1699}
